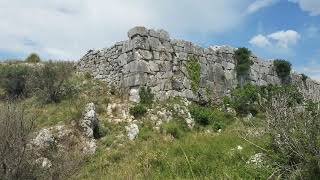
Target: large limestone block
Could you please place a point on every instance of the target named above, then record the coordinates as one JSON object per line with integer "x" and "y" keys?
{"x": 138, "y": 30}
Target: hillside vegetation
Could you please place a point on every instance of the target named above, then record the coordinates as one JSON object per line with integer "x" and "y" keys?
{"x": 256, "y": 133}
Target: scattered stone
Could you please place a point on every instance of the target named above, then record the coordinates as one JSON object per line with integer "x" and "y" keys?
{"x": 133, "y": 131}
{"x": 256, "y": 159}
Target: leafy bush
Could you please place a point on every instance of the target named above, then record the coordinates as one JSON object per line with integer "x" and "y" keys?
{"x": 138, "y": 110}
{"x": 51, "y": 82}
{"x": 242, "y": 56}
{"x": 294, "y": 96}
{"x": 304, "y": 77}
{"x": 13, "y": 79}
{"x": 174, "y": 128}
{"x": 194, "y": 68}
{"x": 206, "y": 116}
{"x": 282, "y": 67}
{"x": 146, "y": 96}
{"x": 33, "y": 58}
{"x": 99, "y": 131}
{"x": 243, "y": 99}
{"x": 252, "y": 98}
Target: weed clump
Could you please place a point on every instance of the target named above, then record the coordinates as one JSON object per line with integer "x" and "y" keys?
{"x": 138, "y": 110}
{"x": 194, "y": 68}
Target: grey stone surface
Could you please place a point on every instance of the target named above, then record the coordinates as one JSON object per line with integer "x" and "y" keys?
{"x": 151, "y": 58}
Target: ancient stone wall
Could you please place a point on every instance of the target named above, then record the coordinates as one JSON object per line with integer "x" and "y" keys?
{"x": 151, "y": 58}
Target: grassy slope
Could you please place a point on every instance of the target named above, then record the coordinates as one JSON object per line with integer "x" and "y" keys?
{"x": 196, "y": 155}
{"x": 154, "y": 155}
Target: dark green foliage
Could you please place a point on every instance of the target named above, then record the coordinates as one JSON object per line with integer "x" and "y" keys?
{"x": 99, "y": 131}
{"x": 175, "y": 128}
{"x": 87, "y": 75}
{"x": 252, "y": 99}
{"x": 194, "y": 68}
{"x": 13, "y": 79}
{"x": 138, "y": 110}
{"x": 242, "y": 56}
{"x": 282, "y": 67}
{"x": 33, "y": 58}
{"x": 243, "y": 99}
{"x": 207, "y": 116}
{"x": 291, "y": 91}
{"x": 51, "y": 82}
{"x": 304, "y": 77}
{"x": 146, "y": 96}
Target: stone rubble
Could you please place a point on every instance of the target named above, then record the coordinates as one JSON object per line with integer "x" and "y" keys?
{"x": 151, "y": 58}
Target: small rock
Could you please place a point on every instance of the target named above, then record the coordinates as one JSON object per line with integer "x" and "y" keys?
{"x": 133, "y": 131}
{"x": 256, "y": 159}
{"x": 44, "y": 139}
{"x": 239, "y": 148}
{"x": 134, "y": 95}
{"x": 45, "y": 162}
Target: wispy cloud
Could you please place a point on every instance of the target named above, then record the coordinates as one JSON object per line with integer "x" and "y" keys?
{"x": 259, "y": 4}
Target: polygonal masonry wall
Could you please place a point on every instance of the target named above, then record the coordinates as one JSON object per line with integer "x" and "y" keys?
{"x": 151, "y": 58}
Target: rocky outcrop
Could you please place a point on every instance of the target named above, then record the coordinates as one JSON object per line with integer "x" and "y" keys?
{"x": 151, "y": 58}
{"x": 64, "y": 138}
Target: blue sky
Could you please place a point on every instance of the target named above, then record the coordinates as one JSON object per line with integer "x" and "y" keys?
{"x": 60, "y": 29}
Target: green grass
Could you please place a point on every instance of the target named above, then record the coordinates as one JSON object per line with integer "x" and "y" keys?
{"x": 70, "y": 108}
{"x": 192, "y": 156}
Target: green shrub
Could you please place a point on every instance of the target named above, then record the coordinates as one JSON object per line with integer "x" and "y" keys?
{"x": 146, "y": 96}
{"x": 145, "y": 133}
{"x": 207, "y": 116}
{"x": 294, "y": 96}
{"x": 283, "y": 68}
{"x": 175, "y": 128}
{"x": 242, "y": 56}
{"x": 243, "y": 99}
{"x": 193, "y": 68}
{"x": 87, "y": 75}
{"x": 304, "y": 77}
{"x": 51, "y": 82}
{"x": 13, "y": 80}
{"x": 138, "y": 110}
{"x": 33, "y": 58}
{"x": 99, "y": 131}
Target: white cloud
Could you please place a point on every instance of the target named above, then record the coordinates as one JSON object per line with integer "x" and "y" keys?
{"x": 68, "y": 28}
{"x": 285, "y": 38}
{"x": 259, "y": 4}
{"x": 260, "y": 41}
{"x": 311, "y": 6}
{"x": 279, "y": 41}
